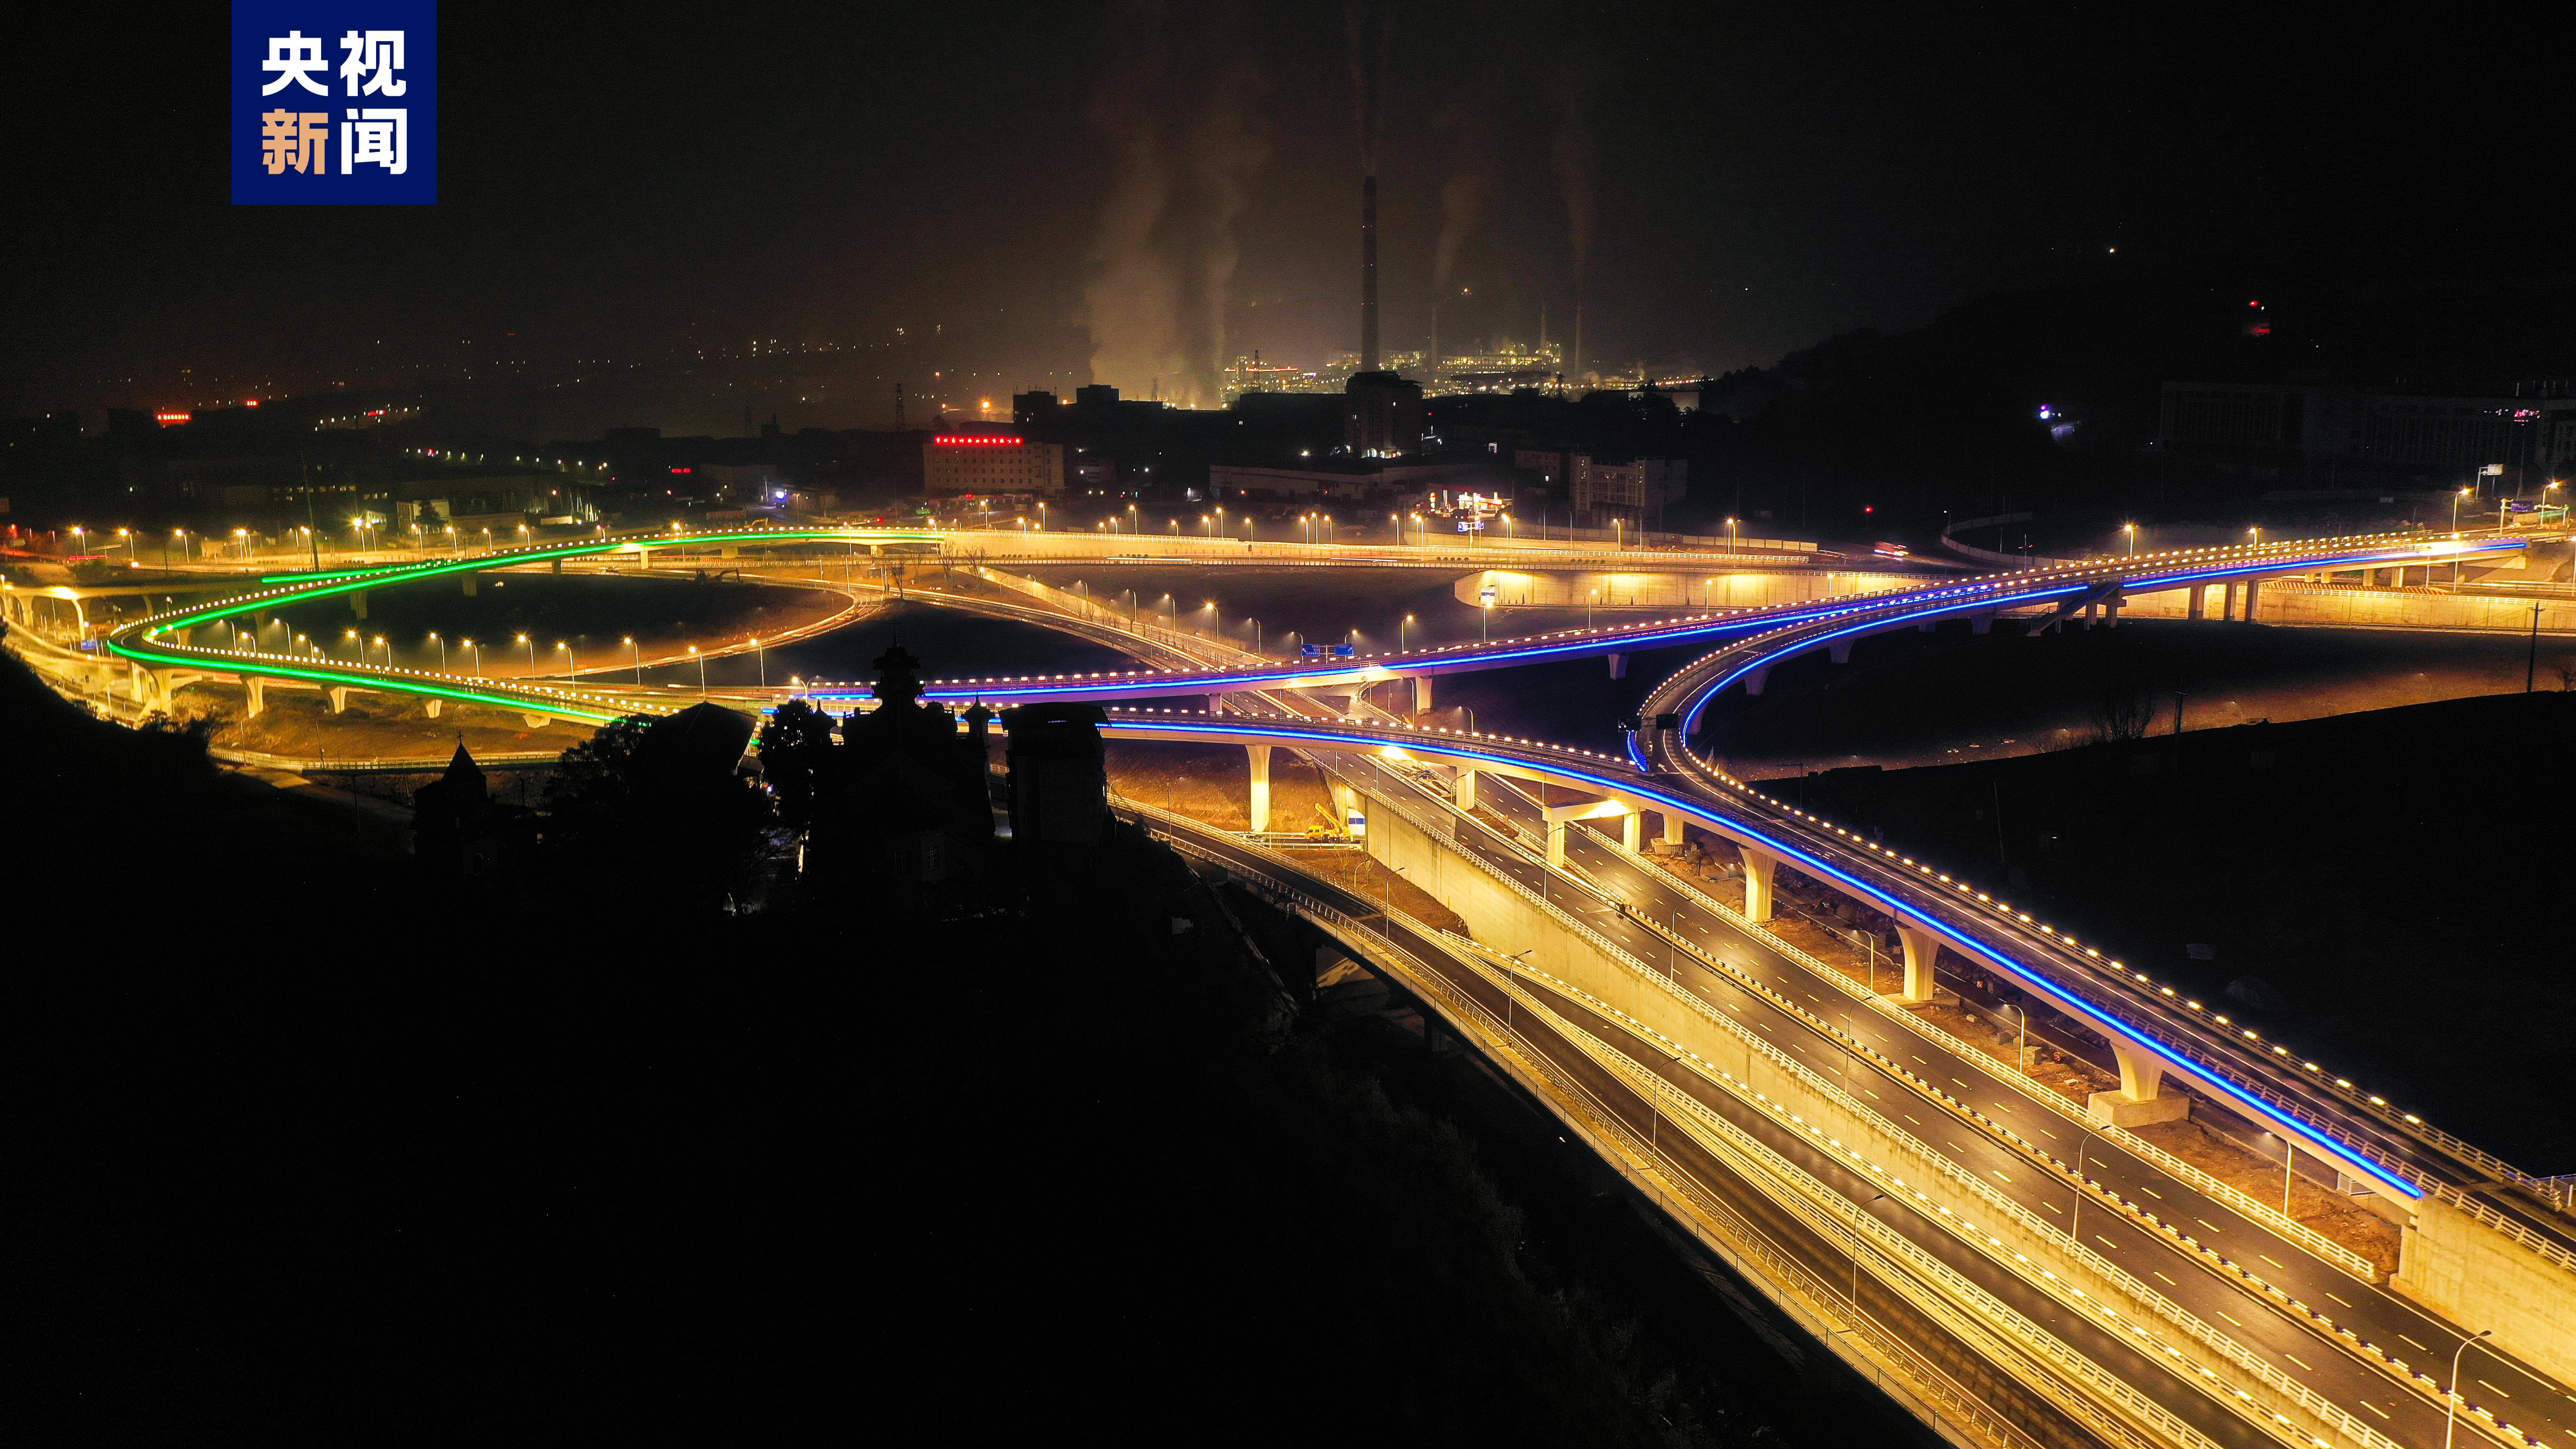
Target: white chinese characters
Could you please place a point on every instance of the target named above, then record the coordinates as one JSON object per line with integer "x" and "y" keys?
{"x": 373, "y": 56}
{"x": 376, "y": 138}
{"x": 295, "y": 56}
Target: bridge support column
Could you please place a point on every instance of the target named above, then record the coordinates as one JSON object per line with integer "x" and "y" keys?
{"x": 1840, "y": 650}
{"x": 2087, "y": 615}
{"x": 1618, "y": 666}
{"x": 1632, "y": 832}
{"x": 2253, "y": 591}
{"x": 1422, "y": 694}
{"x": 1216, "y": 704}
{"x": 1926, "y": 626}
{"x": 2227, "y": 605}
{"x": 469, "y": 585}
{"x": 537, "y": 721}
{"x": 1258, "y": 806}
{"x": 1982, "y": 624}
{"x": 557, "y": 566}
{"x": 183, "y": 634}
{"x": 1465, "y": 792}
{"x": 1555, "y": 841}
{"x": 2196, "y": 601}
{"x": 358, "y": 602}
{"x": 432, "y": 706}
{"x": 1922, "y": 949}
{"x": 256, "y": 689}
{"x": 1673, "y": 837}
{"x": 1753, "y": 682}
{"x": 1758, "y": 867}
{"x": 2111, "y": 611}
{"x": 2142, "y": 1098}
{"x": 339, "y": 698}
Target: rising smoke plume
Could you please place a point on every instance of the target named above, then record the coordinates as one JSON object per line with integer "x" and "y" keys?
{"x": 1572, "y": 155}
{"x": 1368, "y": 82}
{"x": 1178, "y": 115}
{"x": 1469, "y": 133}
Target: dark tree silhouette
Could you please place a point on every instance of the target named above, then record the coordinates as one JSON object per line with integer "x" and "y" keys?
{"x": 670, "y": 830}
{"x": 795, "y": 745}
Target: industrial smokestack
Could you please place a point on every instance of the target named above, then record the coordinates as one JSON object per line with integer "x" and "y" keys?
{"x": 1368, "y": 274}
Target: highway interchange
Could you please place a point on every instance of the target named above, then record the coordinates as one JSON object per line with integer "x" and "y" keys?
{"x": 2287, "y": 1305}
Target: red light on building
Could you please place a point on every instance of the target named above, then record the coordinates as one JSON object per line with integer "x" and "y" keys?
{"x": 171, "y": 419}
{"x": 976, "y": 440}
{"x": 684, "y": 470}
{"x": 251, "y": 403}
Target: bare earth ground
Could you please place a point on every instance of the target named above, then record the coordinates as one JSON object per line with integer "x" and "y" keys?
{"x": 1211, "y": 783}
{"x": 2320, "y": 1209}
{"x": 299, "y": 724}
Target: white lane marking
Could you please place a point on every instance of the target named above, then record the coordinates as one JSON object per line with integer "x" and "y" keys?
{"x": 2303, "y": 1363}
{"x": 2374, "y": 1408}
{"x": 2275, "y": 1262}
{"x": 2052, "y": 1207}
{"x": 2338, "y": 1300}
{"x": 2151, "y": 1192}
{"x": 1955, "y": 1079}
{"x": 2168, "y": 1281}
{"x": 1917, "y": 1121}
{"x": 2206, "y": 1223}
{"x": 2493, "y": 1389}
{"x": 2223, "y": 1313}
{"x": 2106, "y": 1242}
{"x": 1999, "y": 1177}
{"x": 2425, "y": 1347}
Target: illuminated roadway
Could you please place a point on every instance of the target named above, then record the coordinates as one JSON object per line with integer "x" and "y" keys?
{"x": 1988, "y": 1128}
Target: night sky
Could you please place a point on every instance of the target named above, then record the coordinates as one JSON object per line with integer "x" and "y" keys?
{"x": 1136, "y": 192}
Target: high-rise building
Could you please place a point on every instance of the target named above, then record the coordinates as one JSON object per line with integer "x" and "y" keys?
{"x": 990, "y": 463}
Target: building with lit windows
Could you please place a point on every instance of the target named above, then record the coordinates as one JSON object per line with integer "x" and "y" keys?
{"x": 989, "y": 463}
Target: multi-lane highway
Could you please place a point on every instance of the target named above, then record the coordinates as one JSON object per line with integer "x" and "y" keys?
{"x": 2277, "y": 1310}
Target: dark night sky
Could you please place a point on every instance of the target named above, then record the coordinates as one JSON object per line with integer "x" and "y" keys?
{"x": 1050, "y": 181}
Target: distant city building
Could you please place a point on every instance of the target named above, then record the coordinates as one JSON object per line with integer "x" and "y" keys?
{"x": 2271, "y": 423}
{"x": 1384, "y": 417}
{"x": 988, "y": 463}
{"x": 1031, "y": 408}
{"x": 1059, "y": 774}
{"x": 1352, "y": 478}
{"x": 1632, "y": 488}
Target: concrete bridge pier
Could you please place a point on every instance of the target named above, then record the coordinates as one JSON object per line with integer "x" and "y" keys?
{"x": 257, "y": 689}
{"x": 1632, "y": 832}
{"x": 1422, "y": 694}
{"x": 1840, "y": 650}
{"x": 1618, "y": 666}
{"x": 2253, "y": 590}
{"x": 537, "y": 721}
{"x": 2196, "y": 602}
{"x": 2227, "y": 606}
{"x": 1464, "y": 792}
{"x": 1673, "y": 836}
{"x": 1982, "y": 624}
{"x": 1927, "y": 626}
{"x": 1216, "y": 704}
{"x": 432, "y": 705}
{"x": 1753, "y": 682}
{"x": 1758, "y": 868}
{"x": 339, "y": 698}
{"x": 1258, "y": 806}
{"x": 1345, "y": 800}
{"x": 2111, "y": 611}
{"x": 1922, "y": 949}
{"x": 2142, "y": 1098}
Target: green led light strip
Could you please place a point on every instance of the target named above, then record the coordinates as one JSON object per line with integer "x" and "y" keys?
{"x": 139, "y": 641}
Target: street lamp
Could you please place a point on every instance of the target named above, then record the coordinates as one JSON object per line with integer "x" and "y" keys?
{"x": 2131, "y": 530}
{"x": 478, "y": 655}
{"x": 357, "y": 646}
{"x": 1730, "y": 535}
{"x": 572, "y": 661}
{"x": 762, "y": 651}
{"x": 532, "y": 655}
{"x": 442, "y": 650}
{"x": 389, "y": 651}
{"x": 1400, "y": 635}
{"x": 702, "y": 670}
{"x": 2256, "y": 533}
{"x": 638, "y": 651}
{"x": 2451, "y": 1401}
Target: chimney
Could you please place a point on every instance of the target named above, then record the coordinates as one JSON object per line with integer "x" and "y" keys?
{"x": 1368, "y": 274}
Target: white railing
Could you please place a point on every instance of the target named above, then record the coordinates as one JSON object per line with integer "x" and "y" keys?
{"x": 2555, "y": 1253}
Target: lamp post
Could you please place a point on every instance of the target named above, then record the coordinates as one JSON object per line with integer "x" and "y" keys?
{"x": 2131, "y": 530}
{"x": 702, "y": 670}
{"x": 478, "y": 655}
{"x": 442, "y": 650}
{"x": 1402, "y": 625}
{"x": 761, "y": 651}
{"x": 2451, "y": 1401}
{"x": 1730, "y": 535}
{"x": 357, "y": 646}
{"x": 389, "y": 651}
{"x": 532, "y": 655}
{"x": 637, "y": 651}
{"x": 128, "y": 535}
{"x": 2255, "y": 533}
